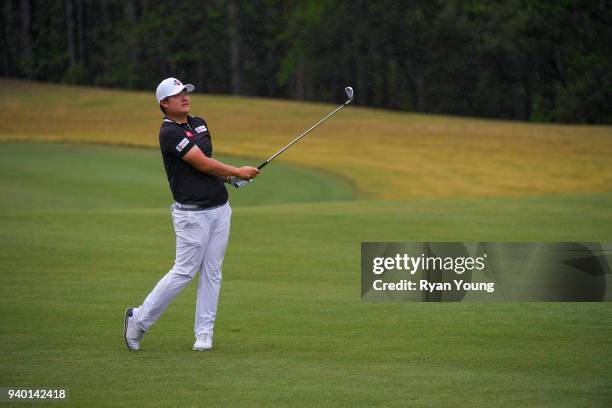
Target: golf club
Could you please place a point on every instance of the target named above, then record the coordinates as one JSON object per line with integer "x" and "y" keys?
{"x": 237, "y": 182}
{"x": 349, "y": 94}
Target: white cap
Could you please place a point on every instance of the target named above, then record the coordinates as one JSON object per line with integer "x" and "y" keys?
{"x": 171, "y": 86}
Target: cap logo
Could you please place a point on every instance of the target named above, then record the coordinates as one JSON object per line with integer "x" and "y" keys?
{"x": 177, "y": 82}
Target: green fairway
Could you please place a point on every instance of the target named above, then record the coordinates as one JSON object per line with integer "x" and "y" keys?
{"x": 56, "y": 176}
{"x": 85, "y": 231}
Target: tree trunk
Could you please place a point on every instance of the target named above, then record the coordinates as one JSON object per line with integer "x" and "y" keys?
{"x": 300, "y": 91}
{"x": 105, "y": 15}
{"x": 519, "y": 99}
{"x": 70, "y": 37}
{"x": 392, "y": 84}
{"x": 361, "y": 70}
{"x": 129, "y": 12}
{"x": 528, "y": 97}
{"x": 419, "y": 89}
{"x": 25, "y": 11}
{"x": 559, "y": 66}
{"x": 106, "y": 35}
{"x": 80, "y": 17}
{"x": 8, "y": 61}
{"x": 235, "y": 47}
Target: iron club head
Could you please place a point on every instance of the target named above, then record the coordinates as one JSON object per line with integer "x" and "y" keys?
{"x": 349, "y": 93}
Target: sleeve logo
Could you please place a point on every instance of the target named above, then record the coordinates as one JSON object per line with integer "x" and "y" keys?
{"x": 182, "y": 145}
{"x": 201, "y": 129}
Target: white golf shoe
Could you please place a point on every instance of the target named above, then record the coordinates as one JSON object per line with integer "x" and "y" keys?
{"x": 132, "y": 334}
{"x": 203, "y": 342}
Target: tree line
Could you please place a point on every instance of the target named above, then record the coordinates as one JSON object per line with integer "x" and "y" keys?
{"x": 534, "y": 60}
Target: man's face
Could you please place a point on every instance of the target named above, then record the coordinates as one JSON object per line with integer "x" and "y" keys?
{"x": 177, "y": 104}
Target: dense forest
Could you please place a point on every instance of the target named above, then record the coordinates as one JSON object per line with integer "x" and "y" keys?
{"x": 534, "y": 60}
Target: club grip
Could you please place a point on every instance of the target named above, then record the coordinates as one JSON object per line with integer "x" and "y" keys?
{"x": 262, "y": 165}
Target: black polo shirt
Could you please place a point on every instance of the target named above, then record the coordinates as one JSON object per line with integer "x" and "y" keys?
{"x": 188, "y": 185}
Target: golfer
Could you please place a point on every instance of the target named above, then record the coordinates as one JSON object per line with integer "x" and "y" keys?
{"x": 201, "y": 216}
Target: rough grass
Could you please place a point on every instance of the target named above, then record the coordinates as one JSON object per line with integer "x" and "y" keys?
{"x": 385, "y": 155}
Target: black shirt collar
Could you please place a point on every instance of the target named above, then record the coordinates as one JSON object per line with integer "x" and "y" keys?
{"x": 183, "y": 125}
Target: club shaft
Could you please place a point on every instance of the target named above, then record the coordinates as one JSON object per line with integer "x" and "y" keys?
{"x": 294, "y": 141}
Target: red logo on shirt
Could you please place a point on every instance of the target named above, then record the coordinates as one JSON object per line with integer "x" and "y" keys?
{"x": 189, "y": 134}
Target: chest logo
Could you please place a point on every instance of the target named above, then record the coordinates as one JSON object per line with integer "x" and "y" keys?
{"x": 201, "y": 129}
{"x": 189, "y": 134}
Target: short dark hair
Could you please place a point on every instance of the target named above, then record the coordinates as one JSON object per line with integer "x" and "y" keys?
{"x": 161, "y": 107}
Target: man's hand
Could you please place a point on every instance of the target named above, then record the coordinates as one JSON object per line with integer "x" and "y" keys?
{"x": 247, "y": 172}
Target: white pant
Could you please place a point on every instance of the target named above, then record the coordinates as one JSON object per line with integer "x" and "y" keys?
{"x": 201, "y": 239}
